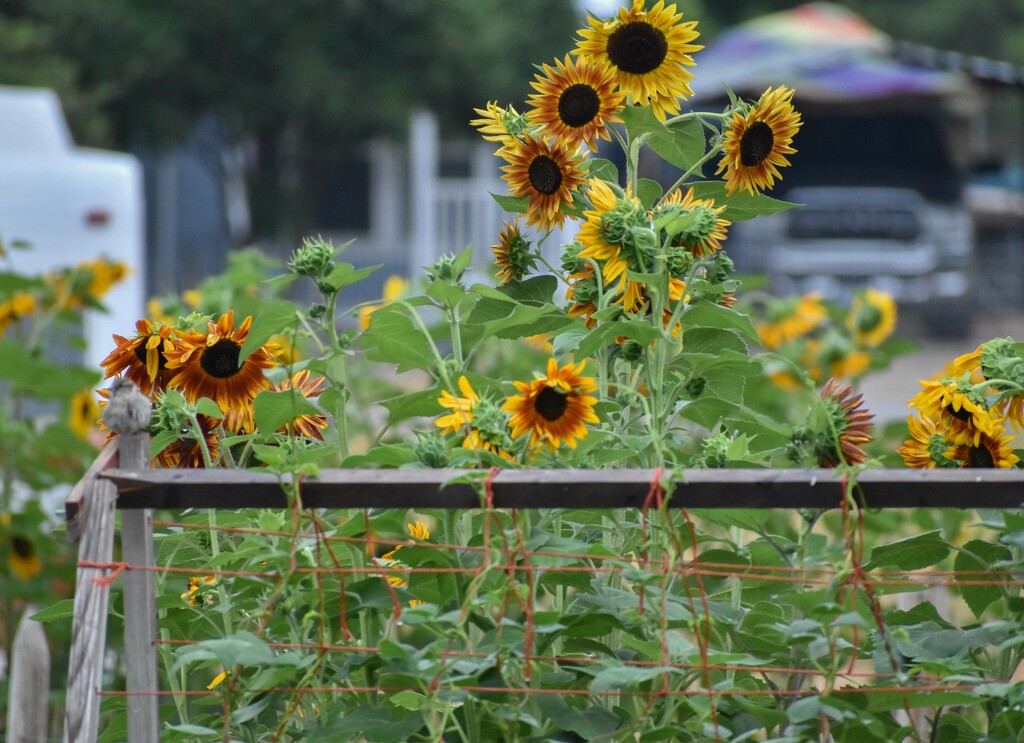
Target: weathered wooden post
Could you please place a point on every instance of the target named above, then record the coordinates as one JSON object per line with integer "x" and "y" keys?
{"x": 29, "y": 700}
{"x": 128, "y": 413}
{"x": 139, "y": 586}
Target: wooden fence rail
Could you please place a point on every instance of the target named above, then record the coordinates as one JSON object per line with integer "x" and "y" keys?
{"x": 540, "y": 488}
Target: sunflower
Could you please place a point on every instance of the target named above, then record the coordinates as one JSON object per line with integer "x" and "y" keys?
{"x": 103, "y": 274}
{"x": 143, "y": 359}
{"x": 957, "y": 405}
{"x": 928, "y": 447}
{"x": 555, "y": 407}
{"x": 497, "y": 124}
{"x": 706, "y": 228}
{"x": 791, "y": 319}
{"x": 21, "y": 304}
{"x": 22, "y": 559}
{"x": 997, "y": 358}
{"x": 83, "y": 414}
{"x": 991, "y": 450}
{"x": 209, "y": 364}
{"x": 576, "y": 102}
{"x": 186, "y": 453}
{"x": 834, "y": 357}
{"x": 581, "y": 293}
{"x": 598, "y": 232}
{"x": 193, "y": 595}
{"x": 871, "y": 317}
{"x": 758, "y": 141}
{"x": 852, "y": 425}
{"x": 478, "y": 440}
{"x": 461, "y": 407}
{"x": 547, "y": 173}
{"x": 512, "y": 254}
{"x": 648, "y": 51}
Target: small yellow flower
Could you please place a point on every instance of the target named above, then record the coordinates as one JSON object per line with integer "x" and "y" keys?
{"x": 394, "y": 288}
{"x": 418, "y": 530}
{"x": 218, "y": 679}
{"x": 461, "y": 407}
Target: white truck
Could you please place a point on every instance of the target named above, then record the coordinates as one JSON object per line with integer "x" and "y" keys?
{"x": 71, "y": 204}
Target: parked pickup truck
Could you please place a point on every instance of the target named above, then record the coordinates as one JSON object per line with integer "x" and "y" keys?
{"x": 71, "y": 204}
{"x": 883, "y": 206}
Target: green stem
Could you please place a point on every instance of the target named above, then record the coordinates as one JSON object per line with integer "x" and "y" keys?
{"x": 441, "y": 367}
{"x": 555, "y": 271}
{"x": 222, "y": 594}
{"x": 693, "y": 169}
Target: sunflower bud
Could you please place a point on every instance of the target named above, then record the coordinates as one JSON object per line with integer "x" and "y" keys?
{"x": 631, "y": 350}
{"x": 314, "y": 259}
{"x": 447, "y": 268}
{"x": 719, "y": 268}
{"x": 430, "y": 449}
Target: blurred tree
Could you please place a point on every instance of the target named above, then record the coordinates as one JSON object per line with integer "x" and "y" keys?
{"x": 308, "y": 78}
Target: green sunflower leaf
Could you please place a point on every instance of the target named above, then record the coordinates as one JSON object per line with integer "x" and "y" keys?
{"x": 276, "y": 317}
{"x": 603, "y": 169}
{"x": 974, "y": 556}
{"x": 512, "y": 204}
{"x": 640, "y": 330}
{"x": 589, "y": 724}
{"x": 41, "y": 379}
{"x": 275, "y": 409}
{"x": 681, "y": 144}
{"x": 740, "y": 206}
{"x": 383, "y": 456}
{"x": 648, "y": 192}
{"x": 344, "y": 274}
{"x": 912, "y": 553}
{"x": 14, "y": 282}
{"x": 535, "y": 290}
{"x": 641, "y": 120}
{"x": 413, "y": 405}
{"x": 708, "y": 315}
{"x": 393, "y": 338}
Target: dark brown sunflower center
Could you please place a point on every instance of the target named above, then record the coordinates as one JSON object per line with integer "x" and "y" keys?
{"x": 637, "y": 47}
{"x": 221, "y": 359}
{"x": 980, "y": 457}
{"x": 961, "y": 415}
{"x": 21, "y": 547}
{"x": 578, "y": 105}
{"x": 756, "y": 144}
{"x": 551, "y": 404}
{"x": 545, "y": 175}
{"x": 140, "y": 354}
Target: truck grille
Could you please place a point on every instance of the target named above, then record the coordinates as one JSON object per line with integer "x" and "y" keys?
{"x": 853, "y": 222}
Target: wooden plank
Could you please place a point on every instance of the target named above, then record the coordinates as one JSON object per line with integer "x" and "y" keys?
{"x": 139, "y": 604}
{"x": 89, "y": 624}
{"x": 539, "y": 488}
{"x": 106, "y": 459}
{"x": 29, "y": 701}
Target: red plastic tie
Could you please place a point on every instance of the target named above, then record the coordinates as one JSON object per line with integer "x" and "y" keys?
{"x": 107, "y": 580}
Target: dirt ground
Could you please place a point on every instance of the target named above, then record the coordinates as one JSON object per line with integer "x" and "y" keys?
{"x": 886, "y": 393}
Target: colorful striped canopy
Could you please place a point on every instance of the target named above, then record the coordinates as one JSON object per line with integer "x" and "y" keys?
{"x": 824, "y": 50}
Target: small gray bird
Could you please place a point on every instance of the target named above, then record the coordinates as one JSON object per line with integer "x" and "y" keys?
{"x": 127, "y": 410}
